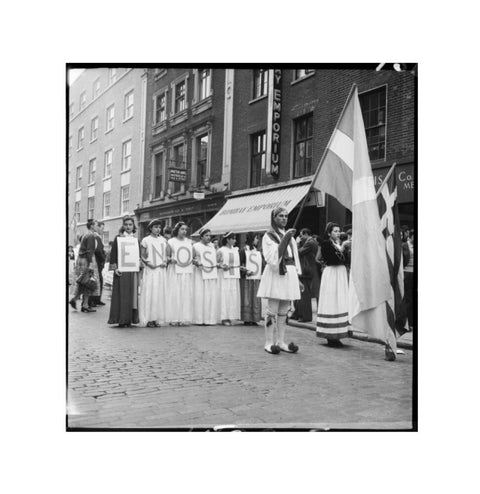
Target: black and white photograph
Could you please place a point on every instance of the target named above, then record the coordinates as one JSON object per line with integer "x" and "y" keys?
{"x": 241, "y": 247}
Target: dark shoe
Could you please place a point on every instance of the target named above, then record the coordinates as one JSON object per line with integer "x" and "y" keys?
{"x": 73, "y": 303}
{"x": 150, "y": 324}
{"x": 274, "y": 350}
{"x": 389, "y": 353}
{"x": 88, "y": 309}
{"x": 334, "y": 343}
{"x": 101, "y": 303}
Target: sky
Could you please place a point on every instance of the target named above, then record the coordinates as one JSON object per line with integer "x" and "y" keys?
{"x": 73, "y": 75}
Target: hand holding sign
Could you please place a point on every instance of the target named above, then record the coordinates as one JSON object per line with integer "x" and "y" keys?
{"x": 254, "y": 264}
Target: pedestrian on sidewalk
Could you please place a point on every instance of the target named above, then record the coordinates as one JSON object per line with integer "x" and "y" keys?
{"x": 180, "y": 277}
{"x": 124, "y": 304}
{"x": 153, "y": 286}
{"x": 100, "y": 257}
{"x": 228, "y": 259}
{"x": 205, "y": 281}
{"x": 280, "y": 284}
{"x": 332, "y": 313}
{"x": 408, "y": 263}
{"x": 250, "y": 304}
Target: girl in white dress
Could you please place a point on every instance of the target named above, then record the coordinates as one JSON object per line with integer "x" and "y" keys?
{"x": 228, "y": 259}
{"x": 153, "y": 287}
{"x": 205, "y": 281}
{"x": 279, "y": 284}
{"x": 180, "y": 277}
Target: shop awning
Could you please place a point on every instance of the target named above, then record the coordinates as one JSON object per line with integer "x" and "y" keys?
{"x": 251, "y": 213}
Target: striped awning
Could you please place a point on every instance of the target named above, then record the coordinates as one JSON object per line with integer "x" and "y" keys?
{"x": 251, "y": 213}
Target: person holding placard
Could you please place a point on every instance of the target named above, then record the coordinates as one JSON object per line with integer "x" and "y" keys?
{"x": 153, "y": 287}
{"x": 228, "y": 259}
{"x": 180, "y": 277}
{"x": 125, "y": 263}
{"x": 280, "y": 284}
{"x": 205, "y": 281}
{"x": 250, "y": 271}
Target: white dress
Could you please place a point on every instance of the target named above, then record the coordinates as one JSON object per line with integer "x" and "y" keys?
{"x": 180, "y": 286}
{"x": 205, "y": 291}
{"x": 273, "y": 284}
{"x": 153, "y": 287}
{"x": 229, "y": 288}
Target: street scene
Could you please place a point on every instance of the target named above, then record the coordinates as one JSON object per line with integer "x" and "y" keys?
{"x": 241, "y": 248}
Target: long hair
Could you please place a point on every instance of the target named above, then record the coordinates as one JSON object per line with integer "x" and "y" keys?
{"x": 177, "y": 227}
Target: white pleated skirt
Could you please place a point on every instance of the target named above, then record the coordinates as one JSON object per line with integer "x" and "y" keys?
{"x": 229, "y": 297}
{"x": 281, "y": 287}
{"x": 205, "y": 300}
{"x": 179, "y": 296}
{"x": 332, "y": 314}
{"x": 153, "y": 292}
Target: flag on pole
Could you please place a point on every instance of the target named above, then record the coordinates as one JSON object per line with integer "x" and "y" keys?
{"x": 345, "y": 173}
{"x": 390, "y": 225}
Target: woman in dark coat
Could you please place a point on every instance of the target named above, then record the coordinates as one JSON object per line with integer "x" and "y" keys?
{"x": 124, "y": 305}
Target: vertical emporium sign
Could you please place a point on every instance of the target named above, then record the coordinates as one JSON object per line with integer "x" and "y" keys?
{"x": 274, "y": 124}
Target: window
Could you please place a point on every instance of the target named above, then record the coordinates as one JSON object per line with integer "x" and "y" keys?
{"x": 107, "y": 163}
{"x": 112, "y": 75}
{"x": 374, "y": 117}
{"x": 70, "y": 145}
{"x": 77, "y": 212}
{"x": 106, "y": 204}
{"x": 202, "y": 158}
{"x": 125, "y": 199}
{"x": 303, "y": 148}
{"x": 94, "y": 129}
{"x": 160, "y": 108}
{"x": 96, "y": 88}
{"x": 83, "y": 100}
{"x": 126, "y": 155}
{"x": 302, "y": 73}
{"x": 78, "y": 177}
{"x": 81, "y": 137}
{"x": 110, "y": 117}
{"x": 92, "y": 168}
{"x": 178, "y": 162}
{"x": 158, "y": 165}
{"x": 106, "y": 238}
{"x": 128, "y": 108}
{"x": 70, "y": 110}
{"x": 180, "y": 97}
{"x": 259, "y": 147}
{"x": 205, "y": 81}
{"x": 260, "y": 83}
{"x": 91, "y": 208}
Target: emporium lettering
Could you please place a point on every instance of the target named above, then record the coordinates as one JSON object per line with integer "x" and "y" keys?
{"x": 276, "y": 126}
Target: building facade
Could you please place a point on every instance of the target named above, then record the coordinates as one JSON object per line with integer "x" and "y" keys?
{"x": 105, "y": 147}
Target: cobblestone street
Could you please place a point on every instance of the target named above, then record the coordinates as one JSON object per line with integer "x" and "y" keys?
{"x": 205, "y": 376}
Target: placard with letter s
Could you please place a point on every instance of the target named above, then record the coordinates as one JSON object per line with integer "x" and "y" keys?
{"x": 254, "y": 264}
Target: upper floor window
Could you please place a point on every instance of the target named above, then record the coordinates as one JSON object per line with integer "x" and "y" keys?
{"x": 298, "y": 74}
{"x": 179, "y": 161}
{"x": 160, "y": 108}
{"x": 180, "y": 96}
{"x": 91, "y": 207}
{"x": 112, "y": 75}
{"x": 96, "y": 88}
{"x": 107, "y": 163}
{"x": 94, "y": 129}
{"x": 83, "y": 100}
{"x": 204, "y": 83}
{"x": 92, "y": 168}
{"x": 124, "y": 199}
{"x": 81, "y": 137}
{"x": 257, "y": 159}
{"x": 202, "y": 158}
{"x": 303, "y": 146}
{"x": 106, "y": 204}
{"x": 70, "y": 110}
{"x": 128, "y": 106}
{"x": 78, "y": 177}
{"x": 374, "y": 108}
{"x": 260, "y": 83}
{"x": 110, "y": 117}
{"x": 126, "y": 155}
{"x": 158, "y": 165}
{"x": 77, "y": 212}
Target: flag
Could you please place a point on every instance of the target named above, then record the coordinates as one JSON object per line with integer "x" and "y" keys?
{"x": 390, "y": 224}
{"x": 346, "y": 173}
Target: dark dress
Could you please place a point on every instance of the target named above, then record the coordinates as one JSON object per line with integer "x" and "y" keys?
{"x": 100, "y": 258}
{"x": 124, "y": 304}
{"x": 251, "y": 305}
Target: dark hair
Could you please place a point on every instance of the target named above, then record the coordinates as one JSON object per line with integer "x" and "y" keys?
{"x": 204, "y": 231}
{"x": 307, "y": 231}
{"x": 343, "y": 236}
{"x": 224, "y": 239}
{"x": 100, "y": 223}
{"x": 250, "y": 238}
{"x": 90, "y": 223}
{"x": 349, "y": 231}
{"x": 177, "y": 228}
{"x": 330, "y": 226}
{"x": 129, "y": 218}
{"x": 167, "y": 230}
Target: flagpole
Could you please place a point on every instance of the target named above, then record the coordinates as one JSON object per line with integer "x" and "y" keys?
{"x": 387, "y": 178}
{"x": 352, "y": 89}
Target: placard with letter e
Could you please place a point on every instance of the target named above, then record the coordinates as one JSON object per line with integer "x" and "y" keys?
{"x": 128, "y": 255}
{"x": 254, "y": 264}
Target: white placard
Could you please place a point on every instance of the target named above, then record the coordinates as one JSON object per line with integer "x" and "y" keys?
{"x": 254, "y": 264}
{"x": 232, "y": 260}
{"x": 128, "y": 255}
{"x": 209, "y": 264}
{"x": 183, "y": 256}
{"x": 157, "y": 253}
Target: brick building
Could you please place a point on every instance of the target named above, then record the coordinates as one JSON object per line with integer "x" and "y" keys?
{"x": 186, "y": 138}
{"x": 105, "y": 148}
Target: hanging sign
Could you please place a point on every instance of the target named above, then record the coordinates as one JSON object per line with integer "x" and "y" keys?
{"x": 274, "y": 126}
{"x": 177, "y": 175}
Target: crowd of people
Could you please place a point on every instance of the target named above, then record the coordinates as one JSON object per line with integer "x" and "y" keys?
{"x": 212, "y": 281}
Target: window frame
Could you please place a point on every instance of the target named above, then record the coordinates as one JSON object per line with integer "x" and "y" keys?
{"x": 264, "y": 73}
{"x": 158, "y": 194}
{"x": 93, "y": 137}
{"x": 112, "y": 75}
{"x": 105, "y": 164}
{"x": 296, "y": 77}
{"x": 123, "y": 200}
{"x": 90, "y": 200}
{"x": 83, "y": 100}
{"x": 156, "y": 96}
{"x": 76, "y": 211}
{"x": 361, "y": 95}
{"x": 125, "y": 144}
{"x": 96, "y": 91}
{"x": 92, "y": 171}
{"x": 108, "y": 120}
{"x": 78, "y": 177}
{"x": 307, "y": 138}
{"x": 80, "y": 141}
{"x": 126, "y": 107}
{"x": 104, "y": 205}
{"x": 254, "y": 154}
